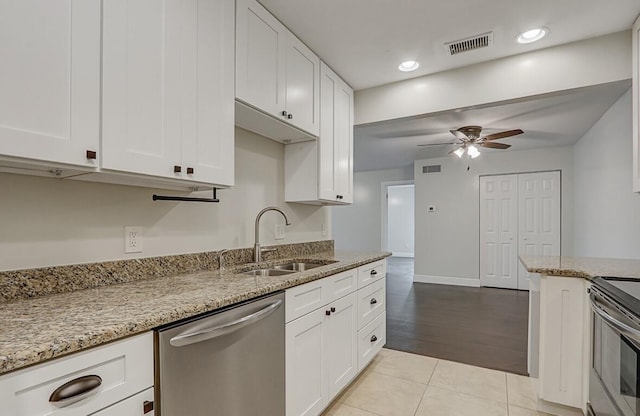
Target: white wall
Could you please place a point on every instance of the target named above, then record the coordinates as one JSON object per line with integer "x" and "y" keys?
{"x": 607, "y": 214}
{"x": 447, "y": 241}
{"x": 400, "y": 224}
{"x": 46, "y": 222}
{"x": 588, "y": 62}
{"x": 359, "y": 226}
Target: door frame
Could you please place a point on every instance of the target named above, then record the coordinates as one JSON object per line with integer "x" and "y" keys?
{"x": 519, "y": 173}
{"x": 384, "y": 218}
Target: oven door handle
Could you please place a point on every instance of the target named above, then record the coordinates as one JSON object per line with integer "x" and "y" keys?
{"x": 601, "y": 310}
{"x": 224, "y": 329}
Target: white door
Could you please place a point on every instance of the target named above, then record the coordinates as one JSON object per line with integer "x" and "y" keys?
{"x": 342, "y": 343}
{"x": 50, "y": 80}
{"x": 142, "y": 84}
{"x": 539, "y": 218}
{"x": 260, "y": 58}
{"x": 208, "y": 85}
{"x": 302, "y": 86}
{"x": 306, "y": 378}
{"x": 499, "y": 231}
{"x": 400, "y": 220}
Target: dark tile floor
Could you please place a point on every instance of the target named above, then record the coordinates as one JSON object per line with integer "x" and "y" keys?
{"x": 485, "y": 327}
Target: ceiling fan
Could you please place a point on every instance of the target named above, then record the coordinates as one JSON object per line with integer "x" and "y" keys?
{"x": 469, "y": 139}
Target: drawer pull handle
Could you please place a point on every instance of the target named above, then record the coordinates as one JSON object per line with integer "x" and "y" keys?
{"x": 373, "y": 272}
{"x": 177, "y": 169}
{"x": 374, "y": 338}
{"x": 190, "y": 171}
{"x": 147, "y": 407}
{"x": 333, "y": 309}
{"x": 75, "y": 390}
{"x": 373, "y": 301}
{"x": 91, "y": 155}
{"x": 327, "y": 312}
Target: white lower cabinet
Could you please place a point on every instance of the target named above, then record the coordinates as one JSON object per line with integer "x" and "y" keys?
{"x": 140, "y": 404}
{"x": 82, "y": 383}
{"x": 331, "y": 335}
{"x": 564, "y": 341}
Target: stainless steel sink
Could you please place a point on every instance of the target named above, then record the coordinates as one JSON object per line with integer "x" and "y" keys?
{"x": 269, "y": 272}
{"x": 298, "y": 266}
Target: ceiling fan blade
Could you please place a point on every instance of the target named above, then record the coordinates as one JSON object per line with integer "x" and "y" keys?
{"x": 460, "y": 135}
{"x": 434, "y": 144}
{"x": 494, "y": 145}
{"x": 453, "y": 150}
{"x": 471, "y": 131}
{"x": 503, "y": 134}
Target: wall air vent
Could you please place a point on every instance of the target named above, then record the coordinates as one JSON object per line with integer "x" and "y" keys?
{"x": 469, "y": 44}
{"x": 431, "y": 169}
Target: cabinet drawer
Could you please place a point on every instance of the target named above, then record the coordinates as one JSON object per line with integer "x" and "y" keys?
{"x": 371, "y": 302}
{"x": 133, "y": 406}
{"x": 371, "y": 272}
{"x": 303, "y": 299}
{"x": 125, "y": 367}
{"x": 371, "y": 339}
{"x": 300, "y": 300}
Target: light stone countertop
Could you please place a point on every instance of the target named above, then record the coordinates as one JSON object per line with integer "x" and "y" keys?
{"x": 42, "y": 328}
{"x": 584, "y": 267}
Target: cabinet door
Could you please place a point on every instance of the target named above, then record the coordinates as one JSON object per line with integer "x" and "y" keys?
{"x": 142, "y": 85}
{"x": 342, "y": 343}
{"x": 343, "y": 142}
{"x": 302, "y": 86}
{"x": 260, "y": 58}
{"x": 133, "y": 406}
{"x": 636, "y": 104}
{"x": 326, "y": 149}
{"x": 306, "y": 377}
{"x": 208, "y": 106}
{"x": 50, "y": 79}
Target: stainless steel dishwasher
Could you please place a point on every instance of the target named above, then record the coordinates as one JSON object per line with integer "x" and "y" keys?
{"x": 226, "y": 363}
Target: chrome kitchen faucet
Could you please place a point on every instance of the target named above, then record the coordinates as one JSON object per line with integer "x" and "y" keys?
{"x": 257, "y": 251}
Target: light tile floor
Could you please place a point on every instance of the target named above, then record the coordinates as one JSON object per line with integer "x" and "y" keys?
{"x": 402, "y": 384}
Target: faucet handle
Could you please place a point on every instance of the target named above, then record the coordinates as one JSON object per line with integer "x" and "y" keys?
{"x": 221, "y": 254}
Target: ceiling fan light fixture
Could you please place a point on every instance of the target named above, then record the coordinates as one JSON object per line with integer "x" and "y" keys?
{"x": 408, "y": 66}
{"x": 473, "y": 152}
{"x": 459, "y": 152}
{"x": 532, "y": 35}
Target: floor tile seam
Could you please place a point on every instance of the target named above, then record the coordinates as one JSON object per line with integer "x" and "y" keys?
{"x": 360, "y": 408}
{"x": 424, "y": 394}
{"x": 506, "y": 388}
{"x": 468, "y": 394}
{"x": 396, "y": 377}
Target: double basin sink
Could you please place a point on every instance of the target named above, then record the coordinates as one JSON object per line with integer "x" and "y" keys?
{"x": 287, "y": 268}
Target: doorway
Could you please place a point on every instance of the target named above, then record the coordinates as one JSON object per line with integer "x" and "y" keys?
{"x": 398, "y": 218}
{"x": 519, "y": 215}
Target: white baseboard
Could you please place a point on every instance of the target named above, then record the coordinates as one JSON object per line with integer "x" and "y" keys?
{"x": 401, "y": 254}
{"x": 445, "y": 280}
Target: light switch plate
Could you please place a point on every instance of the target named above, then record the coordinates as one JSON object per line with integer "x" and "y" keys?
{"x": 279, "y": 232}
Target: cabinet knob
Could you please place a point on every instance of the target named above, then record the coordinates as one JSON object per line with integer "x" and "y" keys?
{"x": 190, "y": 171}
{"x": 91, "y": 154}
{"x": 373, "y": 301}
{"x": 147, "y": 407}
{"x": 177, "y": 169}
{"x": 333, "y": 309}
{"x": 284, "y": 113}
{"x": 327, "y": 312}
{"x": 374, "y": 338}
{"x": 373, "y": 273}
{"x": 289, "y": 116}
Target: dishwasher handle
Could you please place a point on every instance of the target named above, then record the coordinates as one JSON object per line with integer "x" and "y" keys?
{"x": 224, "y": 329}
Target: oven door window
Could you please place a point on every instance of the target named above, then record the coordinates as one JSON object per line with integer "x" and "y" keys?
{"x": 618, "y": 358}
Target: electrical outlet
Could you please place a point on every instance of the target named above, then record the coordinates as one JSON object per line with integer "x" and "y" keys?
{"x": 323, "y": 230}
{"x": 133, "y": 239}
{"x": 279, "y": 232}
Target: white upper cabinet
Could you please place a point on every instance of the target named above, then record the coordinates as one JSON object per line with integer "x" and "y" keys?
{"x": 636, "y": 105}
{"x": 50, "y": 80}
{"x": 168, "y": 89}
{"x": 276, "y": 74}
{"x": 322, "y": 172}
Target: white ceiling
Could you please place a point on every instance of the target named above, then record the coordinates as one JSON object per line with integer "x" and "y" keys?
{"x": 550, "y": 120}
{"x": 365, "y": 40}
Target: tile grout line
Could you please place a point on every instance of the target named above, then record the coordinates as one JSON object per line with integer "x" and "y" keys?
{"x": 506, "y": 387}
{"x": 427, "y": 387}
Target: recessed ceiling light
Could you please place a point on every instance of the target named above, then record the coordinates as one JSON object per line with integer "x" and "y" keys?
{"x": 408, "y": 66}
{"x": 532, "y": 35}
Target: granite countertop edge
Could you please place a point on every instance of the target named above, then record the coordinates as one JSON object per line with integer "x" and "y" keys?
{"x": 23, "y": 316}
{"x": 581, "y": 267}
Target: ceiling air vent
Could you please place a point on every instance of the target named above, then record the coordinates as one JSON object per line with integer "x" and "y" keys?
{"x": 469, "y": 44}
{"x": 431, "y": 169}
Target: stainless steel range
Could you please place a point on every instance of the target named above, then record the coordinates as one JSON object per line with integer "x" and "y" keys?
{"x": 614, "y": 382}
